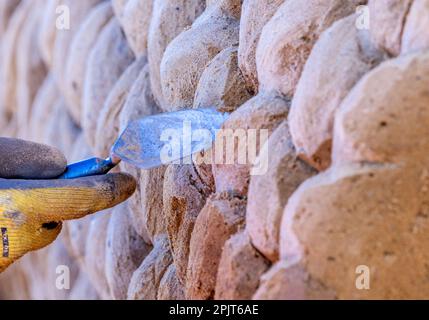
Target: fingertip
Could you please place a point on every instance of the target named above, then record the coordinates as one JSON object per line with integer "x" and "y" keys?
{"x": 29, "y": 160}
{"x": 121, "y": 186}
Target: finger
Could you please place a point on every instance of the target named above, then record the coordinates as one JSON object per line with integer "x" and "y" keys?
{"x": 22, "y": 159}
{"x": 58, "y": 200}
{"x": 17, "y": 239}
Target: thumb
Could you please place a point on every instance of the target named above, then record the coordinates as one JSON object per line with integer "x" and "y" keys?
{"x": 58, "y": 200}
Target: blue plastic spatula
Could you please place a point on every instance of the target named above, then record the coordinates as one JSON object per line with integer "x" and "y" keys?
{"x": 156, "y": 140}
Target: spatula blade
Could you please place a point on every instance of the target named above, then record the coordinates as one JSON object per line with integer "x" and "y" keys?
{"x": 168, "y": 137}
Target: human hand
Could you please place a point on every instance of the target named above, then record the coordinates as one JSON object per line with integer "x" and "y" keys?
{"x": 33, "y": 203}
